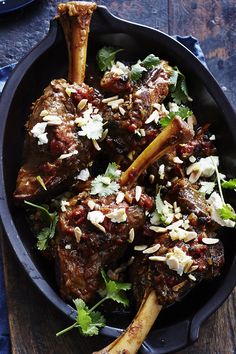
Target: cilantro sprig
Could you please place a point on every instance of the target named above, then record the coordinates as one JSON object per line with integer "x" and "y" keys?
{"x": 178, "y": 89}
{"x": 106, "y": 184}
{"x": 230, "y": 184}
{"x": 106, "y": 57}
{"x": 183, "y": 112}
{"x": 227, "y": 212}
{"x": 46, "y": 233}
{"x": 137, "y": 70}
{"x": 89, "y": 321}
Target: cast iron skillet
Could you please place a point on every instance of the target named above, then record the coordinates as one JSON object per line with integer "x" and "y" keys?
{"x": 177, "y": 326}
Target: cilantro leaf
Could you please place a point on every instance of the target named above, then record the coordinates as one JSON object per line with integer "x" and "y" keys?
{"x": 227, "y": 212}
{"x": 112, "y": 171}
{"x": 103, "y": 186}
{"x": 88, "y": 321}
{"x": 163, "y": 210}
{"x": 183, "y": 112}
{"x": 115, "y": 290}
{"x": 46, "y": 233}
{"x": 137, "y": 71}
{"x": 106, "y": 184}
{"x": 151, "y": 61}
{"x": 105, "y": 57}
{"x": 230, "y": 184}
{"x": 179, "y": 91}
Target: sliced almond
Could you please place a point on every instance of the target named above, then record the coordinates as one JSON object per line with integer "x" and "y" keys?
{"x": 152, "y": 249}
{"x": 140, "y": 247}
{"x": 158, "y": 229}
{"x": 82, "y": 104}
{"x": 78, "y": 234}
{"x": 110, "y": 99}
{"x": 95, "y": 144}
{"x": 157, "y": 258}
{"x": 210, "y": 240}
{"x": 131, "y": 235}
{"x": 192, "y": 277}
{"x": 138, "y": 192}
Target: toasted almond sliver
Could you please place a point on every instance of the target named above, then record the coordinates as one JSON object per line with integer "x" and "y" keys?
{"x": 44, "y": 113}
{"x": 210, "y": 240}
{"x": 138, "y": 192}
{"x": 65, "y": 156}
{"x": 157, "y": 258}
{"x": 152, "y": 249}
{"x": 104, "y": 135}
{"x": 110, "y": 99}
{"x": 193, "y": 268}
{"x": 115, "y": 103}
{"x": 78, "y": 234}
{"x": 158, "y": 229}
{"x": 122, "y": 110}
{"x": 140, "y": 247}
{"x": 131, "y": 235}
{"x": 95, "y": 144}
{"x": 82, "y": 104}
{"x": 154, "y": 116}
{"x": 99, "y": 226}
{"x": 175, "y": 225}
{"x": 192, "y": 277}
{"x": 120, "y": 197}
{"x": 52, "y": 119}
{"x": 176, "y": 159}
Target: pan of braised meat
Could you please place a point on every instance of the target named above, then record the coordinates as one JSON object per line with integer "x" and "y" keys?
{"x": 118, "y": 180}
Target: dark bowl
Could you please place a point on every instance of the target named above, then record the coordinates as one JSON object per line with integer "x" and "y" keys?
{"x": 178, "y": 326}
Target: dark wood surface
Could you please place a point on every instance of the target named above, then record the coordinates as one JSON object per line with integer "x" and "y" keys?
{"x": 33, "y": 321}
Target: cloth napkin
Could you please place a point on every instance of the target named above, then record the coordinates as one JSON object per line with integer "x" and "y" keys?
{"x": 188, "y": 41}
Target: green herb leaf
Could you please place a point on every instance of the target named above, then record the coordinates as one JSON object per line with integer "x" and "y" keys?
{"x": 115, "y": 290}
{"x": 178, "y": 90}
{"x": 103, "y": 186}
{"x": 112, "y": 171}
{"x": 41, "y": 182}
{"x": 89, "y": 322}
{"x": 230, "y": 184}
{"x": 164, "y": 211}
{"x": 106, "y": 184}
{"x": 151, "y": 61}
{"x": 227, "y": 212}
{"x": 47, "y": 233}
{"x": 105, "y": 57}
{"x": 137, "y": 71}
{"x": 183, "y": 112}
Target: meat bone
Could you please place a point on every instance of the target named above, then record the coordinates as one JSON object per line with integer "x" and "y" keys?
{"x": 177, "y": 132}
{"x": 75, "y": 17}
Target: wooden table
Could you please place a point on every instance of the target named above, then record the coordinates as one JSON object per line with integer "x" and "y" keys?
{"x": 33, "y": 321}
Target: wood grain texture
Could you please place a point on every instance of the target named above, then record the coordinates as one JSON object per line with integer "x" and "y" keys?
{"x": 33, "y": 321}
{"x": 213, "y": 22}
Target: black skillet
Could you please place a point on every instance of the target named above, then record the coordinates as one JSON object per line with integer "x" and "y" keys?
{"x": 177, "y": 326}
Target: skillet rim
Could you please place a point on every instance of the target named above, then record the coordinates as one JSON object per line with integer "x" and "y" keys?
{"x": 192, "y": 325}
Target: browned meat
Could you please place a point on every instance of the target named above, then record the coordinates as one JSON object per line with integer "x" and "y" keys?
{"x": 85, "y": 247}
{"x": 118, "y": 84}
{"x": 128, "y": 134}
{"x": 52, "y": 133}
{"x": 190, "y": 199}
{"x": 205, "y": 263}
